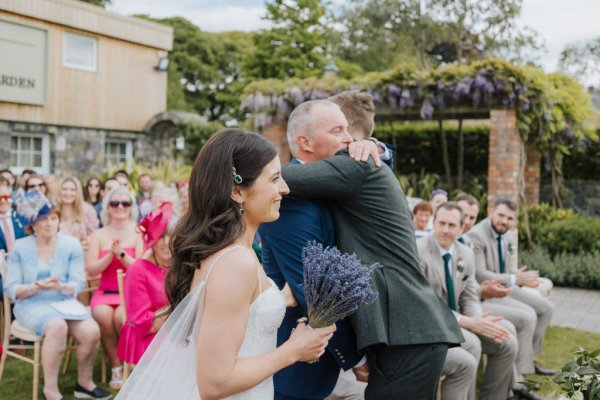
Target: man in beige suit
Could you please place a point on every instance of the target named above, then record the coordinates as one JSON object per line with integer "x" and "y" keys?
{"x": 494, "y": 261}
{"x": 450, "y": 269}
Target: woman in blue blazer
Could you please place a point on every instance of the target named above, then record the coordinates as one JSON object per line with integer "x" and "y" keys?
{"x": 45, "y": 274}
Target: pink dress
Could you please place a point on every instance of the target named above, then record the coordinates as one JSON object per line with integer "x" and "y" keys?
{"x": 108, "y": 289}
{"x": 144, "y": 295}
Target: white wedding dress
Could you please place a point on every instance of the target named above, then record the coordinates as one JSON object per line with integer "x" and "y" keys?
{"x": 167, "y": 370}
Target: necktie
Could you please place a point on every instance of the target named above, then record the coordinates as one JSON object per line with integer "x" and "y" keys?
{"x": 460, "y": 239}
{"x": 449, "y": 282}
{"x": 500, "y": 255}
{"x": 8, "y": 235}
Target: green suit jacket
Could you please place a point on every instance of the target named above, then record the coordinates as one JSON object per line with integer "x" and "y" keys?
{"x": 372, "y": 219}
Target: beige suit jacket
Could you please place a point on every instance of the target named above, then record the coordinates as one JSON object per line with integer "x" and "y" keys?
{"x": 466, "y": 289}
{"x": 485, "y": 248}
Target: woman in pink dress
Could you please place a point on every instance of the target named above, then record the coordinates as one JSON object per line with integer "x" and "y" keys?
{"x": 115, "y": 246}
{"x": 145, "y": 295}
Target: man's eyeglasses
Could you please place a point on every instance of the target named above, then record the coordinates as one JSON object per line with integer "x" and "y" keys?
{"x": 115, "y": 204}
{"x": 6, "y": 197}
{"x": 35, "y": 185}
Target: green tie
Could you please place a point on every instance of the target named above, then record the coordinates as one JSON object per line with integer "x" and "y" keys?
{"x": 449, "y": 282}
{"x": 500, "y": 256}
{"x": 460, "y": 239}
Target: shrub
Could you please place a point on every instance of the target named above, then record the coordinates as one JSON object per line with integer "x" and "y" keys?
{"x": 580, "y": 378}
{"x": 574, "y": 270}
{"x": 573, "y": 234}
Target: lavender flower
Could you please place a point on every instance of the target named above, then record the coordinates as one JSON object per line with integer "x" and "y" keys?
{"x": 335, "y": 284}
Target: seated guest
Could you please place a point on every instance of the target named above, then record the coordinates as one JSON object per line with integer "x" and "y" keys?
{"x": 115, "y": 246}
{"x": 494, "y": 259}
{"x": 106, "y": 187}
{"x": 145, "y": 295}
{"x": 92, "y": 191}
{"x": 12, "y": 225}
{"x": 421, "y": 215}
{"x": 45, "y": 273}
{"x": 77, "y": 218}
{"x": 450, "y": 268}
{"x": 144, "y": 197}
{"x": 438, "y": 196}
{"x": 35, "y": 182}
{"x": 51, "y": 187}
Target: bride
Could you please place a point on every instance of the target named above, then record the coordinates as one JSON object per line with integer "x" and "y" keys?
{"x": 220, "y": 338}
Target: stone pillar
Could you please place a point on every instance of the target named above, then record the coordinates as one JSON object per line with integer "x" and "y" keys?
{"x": 276, "y": 134}
{"x": 532, "y": 173}
{"x": 504, "y": 160}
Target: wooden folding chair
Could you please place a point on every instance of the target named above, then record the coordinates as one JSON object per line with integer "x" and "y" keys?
{"x": 14, "y": 330}
{"x": 120, "y": 280}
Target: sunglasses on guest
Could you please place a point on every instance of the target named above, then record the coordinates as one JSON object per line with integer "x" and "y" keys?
{"x": 35, "y": 185}
{"x": 115, "y": 204}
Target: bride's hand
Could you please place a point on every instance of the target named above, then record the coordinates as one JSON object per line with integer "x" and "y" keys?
{"x": 290, "y": 300}
{"x": 309, "y": 344}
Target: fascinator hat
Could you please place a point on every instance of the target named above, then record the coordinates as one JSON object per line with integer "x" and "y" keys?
{"x": 34, "y": 206}
{"x": 154, "y": 225}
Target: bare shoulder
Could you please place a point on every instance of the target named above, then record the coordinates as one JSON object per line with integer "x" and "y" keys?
{"x": 233, "y": 268}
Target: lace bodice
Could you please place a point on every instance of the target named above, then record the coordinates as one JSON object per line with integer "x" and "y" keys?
{"x": 264, "y": 317}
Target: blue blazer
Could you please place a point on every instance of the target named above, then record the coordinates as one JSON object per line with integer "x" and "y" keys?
{"x": 66, "y": 263}
{"x": 19, "y": 223}
{"x": 282, "y": 242}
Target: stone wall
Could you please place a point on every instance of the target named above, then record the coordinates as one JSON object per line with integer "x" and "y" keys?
{"x": 77, "y": 151}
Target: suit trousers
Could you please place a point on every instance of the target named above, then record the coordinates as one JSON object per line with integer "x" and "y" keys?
{"x": 460, "y": 369}
{"x": 543, "y": 310}
{"x": 348, "y": 388}
{"x": 498, "y": 375}
{"x": 524, "y": 319}
{"x": 408, "y": 372}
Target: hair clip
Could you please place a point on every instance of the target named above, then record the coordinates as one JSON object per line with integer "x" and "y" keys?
{"x": 236, "y": 177}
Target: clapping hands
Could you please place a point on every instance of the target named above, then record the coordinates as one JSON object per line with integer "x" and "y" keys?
{"x": 50, "y": 283}
{"x": 527, "y": 278}
{"x": 486, "y": 325}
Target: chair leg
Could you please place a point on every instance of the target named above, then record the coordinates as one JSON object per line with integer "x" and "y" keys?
{"x": 3, "y": 358}
{"x": 103, "y": 368}
{"x": 68, "y": 353}
{"x": 36, "y": 368}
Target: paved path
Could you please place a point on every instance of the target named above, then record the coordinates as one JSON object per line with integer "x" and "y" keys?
{"x": 576, "y": 308}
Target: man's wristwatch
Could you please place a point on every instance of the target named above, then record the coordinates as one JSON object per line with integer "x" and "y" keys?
{"x": 122, "y": 255}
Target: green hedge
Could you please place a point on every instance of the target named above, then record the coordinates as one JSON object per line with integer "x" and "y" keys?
{"x": 574, "y": 270}
{"x": 418, "y": 147}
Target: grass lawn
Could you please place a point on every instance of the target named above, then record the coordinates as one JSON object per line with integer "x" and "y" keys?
{"x": 559, "y": 345}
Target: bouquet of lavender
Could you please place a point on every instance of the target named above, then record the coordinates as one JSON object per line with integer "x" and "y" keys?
{"x": 335, "y": 284}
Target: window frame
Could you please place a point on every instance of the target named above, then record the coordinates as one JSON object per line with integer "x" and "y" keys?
{"x": 128, "y": 152}
{"x": 68, "y": 64}
{"x": 44, "y": 169}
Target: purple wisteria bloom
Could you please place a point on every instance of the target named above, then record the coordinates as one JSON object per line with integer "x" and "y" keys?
{"x": 335, "y": 284}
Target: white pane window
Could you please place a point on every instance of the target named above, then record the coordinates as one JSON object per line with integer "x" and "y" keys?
{"x": 117, "y": 152}
{"x": 80, "y": 52}
{"x": 29, "y": 151}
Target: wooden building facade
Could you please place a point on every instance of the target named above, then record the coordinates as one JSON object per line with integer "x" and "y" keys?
{"x": 78, "y": 85}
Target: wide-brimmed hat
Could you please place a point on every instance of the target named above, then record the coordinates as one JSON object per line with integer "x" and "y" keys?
{"x": 33, "y": 206}
{"x": 154, "y": 225}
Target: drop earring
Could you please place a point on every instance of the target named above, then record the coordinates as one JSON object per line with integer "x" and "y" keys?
{"x": 241, "y": 208}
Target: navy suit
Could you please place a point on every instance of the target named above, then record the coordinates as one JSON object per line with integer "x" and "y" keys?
{"x": 282, "y": 241}
{"x": 19, "y": 223}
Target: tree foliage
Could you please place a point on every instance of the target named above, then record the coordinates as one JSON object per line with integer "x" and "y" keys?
{"x": 582, "y": 60}
{"x": 101, "y": 3}
{"x": 206, "y": 73}
{"x": 379, "y": 34}
{"x": 295, "y": 46}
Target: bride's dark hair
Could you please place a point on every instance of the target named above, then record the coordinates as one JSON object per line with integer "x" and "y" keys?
{"x": 213, "y": 220}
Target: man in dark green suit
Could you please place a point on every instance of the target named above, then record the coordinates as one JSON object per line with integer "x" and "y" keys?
{"x": 406, "y": 333}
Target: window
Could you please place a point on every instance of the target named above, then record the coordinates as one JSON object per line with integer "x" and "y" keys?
{"x": 29, "y": 151}
{"x": 117, "y": 152}
{"x": 80, "y": 52}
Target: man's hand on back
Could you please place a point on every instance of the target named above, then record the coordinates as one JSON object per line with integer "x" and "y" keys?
{"x": 361, "y": 150}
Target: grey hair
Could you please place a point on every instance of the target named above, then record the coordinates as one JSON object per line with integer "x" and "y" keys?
{"x": 302, "y": 121}
{"x": 105, "y": 216}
